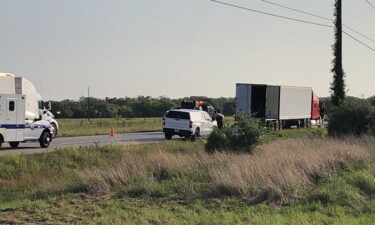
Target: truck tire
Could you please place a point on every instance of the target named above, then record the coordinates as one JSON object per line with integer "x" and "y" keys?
{"x": 168, "y": 136}
{"x": 54, "y": 135}
{"x": 1, "y": 141}
{"x": 194, "y": 136}
{"x": 14, "y": 144}
{"x": 45, "y": 140}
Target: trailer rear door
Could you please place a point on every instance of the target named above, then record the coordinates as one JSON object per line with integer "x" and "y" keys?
{"x": 243, "y": 99}
{"x": 272, "y": 102}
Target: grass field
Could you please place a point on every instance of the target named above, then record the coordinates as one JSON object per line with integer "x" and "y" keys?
{"x": 288, "y": 181}
{"x": 84, "y": 127}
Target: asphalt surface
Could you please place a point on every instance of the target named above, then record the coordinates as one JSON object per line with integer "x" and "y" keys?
{"x": 33, "y": 147}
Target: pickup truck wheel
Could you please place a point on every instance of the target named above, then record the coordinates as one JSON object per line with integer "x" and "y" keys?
{"x": 45, "y": 140}
{"x": 168, "y": 136}
{"x": 14, "y": 144}
{"x": 1, "y": 141}
{"x": 194, "y": 136}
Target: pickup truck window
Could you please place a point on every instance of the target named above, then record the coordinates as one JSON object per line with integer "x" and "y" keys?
{"x": 178, "y": 115}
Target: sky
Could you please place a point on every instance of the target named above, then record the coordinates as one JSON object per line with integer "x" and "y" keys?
{"x": 178, "y": 48}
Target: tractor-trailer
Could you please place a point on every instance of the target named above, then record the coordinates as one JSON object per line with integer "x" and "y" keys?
{"x": 281, "y": 106}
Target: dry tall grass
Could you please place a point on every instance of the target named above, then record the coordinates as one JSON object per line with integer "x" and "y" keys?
{"x": 280, "y": 168}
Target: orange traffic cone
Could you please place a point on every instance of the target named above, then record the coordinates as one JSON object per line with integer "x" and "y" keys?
{"x": 112, "y": 133}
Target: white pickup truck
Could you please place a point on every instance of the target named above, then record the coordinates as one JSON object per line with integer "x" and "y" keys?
{"x": 187, "y": 123}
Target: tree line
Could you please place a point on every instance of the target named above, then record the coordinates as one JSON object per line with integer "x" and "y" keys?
{"x": 145, "y": 106}
{"x": 142, "y": 106}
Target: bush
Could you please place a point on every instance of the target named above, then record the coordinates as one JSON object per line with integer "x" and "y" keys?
{"x": 216, "y": 140}
{"x": 243, "y": 135}
{"x": 372, "y": 121}
{"x": 352, "y": 118}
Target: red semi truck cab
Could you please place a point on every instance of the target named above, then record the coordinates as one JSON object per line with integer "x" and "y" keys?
{"x": 315, "y": 111}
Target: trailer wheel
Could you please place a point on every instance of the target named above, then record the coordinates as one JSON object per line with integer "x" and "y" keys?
{"x": 45, "y": 140}
{"x": 168, "y": 136}
{"x": 14, "y": 144}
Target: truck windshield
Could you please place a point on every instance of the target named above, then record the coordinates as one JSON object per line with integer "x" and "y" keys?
{"x": 178, "y": 115}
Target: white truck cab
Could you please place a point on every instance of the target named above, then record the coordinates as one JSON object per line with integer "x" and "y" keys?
{"x": 187, "y": 123}
{"x": 15, "y": 127}
{"x": 48, "y": 115}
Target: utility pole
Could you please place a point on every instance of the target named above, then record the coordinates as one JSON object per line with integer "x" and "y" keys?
{"x": 338, "y": 83}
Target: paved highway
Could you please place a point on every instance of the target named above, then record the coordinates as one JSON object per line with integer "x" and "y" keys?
{"x": 31, "y": 148}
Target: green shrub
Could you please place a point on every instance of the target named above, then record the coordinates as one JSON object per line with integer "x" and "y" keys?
{"x": 217, "y": 140}
{"x": 372, "y": 121}
{"x": 352, "y": 118}
{"x": 243, "y": 135}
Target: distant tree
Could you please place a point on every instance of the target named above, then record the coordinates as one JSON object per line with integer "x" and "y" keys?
{"x": 229, "y": 108}
{"x": 338, "y": 84}
{"x": 125, "y": 111}
{"x": 371, "y": 100}
{"x": 128, "y": 107}
{"x": 62, "y": 109}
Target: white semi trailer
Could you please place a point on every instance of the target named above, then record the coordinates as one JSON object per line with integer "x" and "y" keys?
{"x": 279, "y": 106}
{"x": 35, "y": 107}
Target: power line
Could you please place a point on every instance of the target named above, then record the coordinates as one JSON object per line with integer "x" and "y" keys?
{"x": 362, "y": 43}
{"x": 360, "y": 34}
{"x": 320, "y": 17}
{"x": 370, "y": 4}
{"x": 292, "y": 19}
{"x": 297, "y": 10}
{"x": 271, "y": 14}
